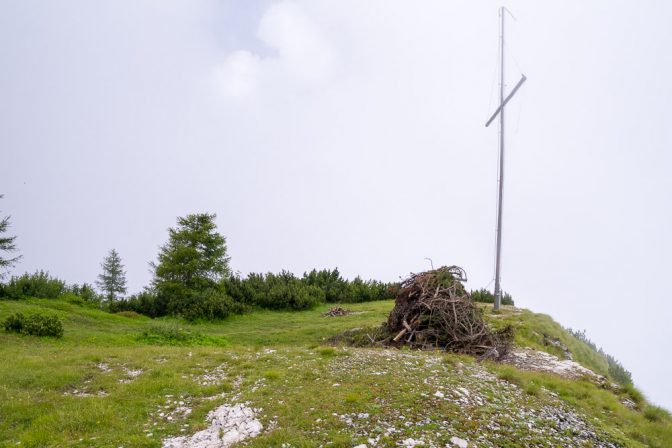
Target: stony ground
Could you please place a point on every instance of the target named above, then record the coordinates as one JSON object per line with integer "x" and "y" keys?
{"x": 445, "y": 402}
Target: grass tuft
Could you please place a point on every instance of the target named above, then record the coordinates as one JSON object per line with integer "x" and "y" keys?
{"x": 173, "y": 334}
{"x": 272, "y": 375}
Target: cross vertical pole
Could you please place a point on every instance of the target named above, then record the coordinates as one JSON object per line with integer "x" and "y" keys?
{"x": 498, "y": 290}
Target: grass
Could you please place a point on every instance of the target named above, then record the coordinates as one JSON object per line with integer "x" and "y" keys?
{"x": 76, "y": 391}
{"x": 530, "y": 329}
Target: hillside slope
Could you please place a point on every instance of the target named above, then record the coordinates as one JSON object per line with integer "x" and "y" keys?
{"x": 270, "y": 379}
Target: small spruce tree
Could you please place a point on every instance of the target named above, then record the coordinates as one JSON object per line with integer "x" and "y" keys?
{"x": 6, "y": 246}
{"x": 112, "y": 281}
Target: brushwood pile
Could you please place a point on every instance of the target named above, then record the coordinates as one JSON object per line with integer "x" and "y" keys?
{"x": 434, "y": 311}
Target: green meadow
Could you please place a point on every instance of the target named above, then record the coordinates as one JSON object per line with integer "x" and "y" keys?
{"x": 124, "y": 380}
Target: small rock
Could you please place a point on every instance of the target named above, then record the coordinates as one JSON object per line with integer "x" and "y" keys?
{"x": 461, "y": 443}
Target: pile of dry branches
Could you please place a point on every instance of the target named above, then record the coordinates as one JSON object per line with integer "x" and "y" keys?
{"x": 336, "y": 311}
{"x": 433, "y": 310}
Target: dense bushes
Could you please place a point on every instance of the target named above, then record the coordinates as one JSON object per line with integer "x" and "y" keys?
{"x": 146, "y": 302}
{"x": 34, "y": 324}
{"x": 14, "y": 323}
{"x": 43, "y": 286}
{"x": 40, "y": 285}
{"x": 335, "y": 288}
{"x": 85, "y": 291}
{"x": 234, "y": 295}
{"x": 283, "y": 291}
{"x": 338, "y": 290}
{"x": 209, "y": 304}
{"x": 485, "y": 296}
{"x": 206, "y": 304}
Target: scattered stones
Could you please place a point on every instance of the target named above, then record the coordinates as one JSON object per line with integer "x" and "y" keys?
{"x": 410, "y": 443}
{"x": 228, "y": 425}
{"x": 85, "y": 393}
{"x": 528, "y": 359}
{"x": 497, "y": 409}
{"x": 213, "y": 376}
{"x": 104, "y": 367}
{"x": 131, "y": 374}
{"x": 628, "y": 403}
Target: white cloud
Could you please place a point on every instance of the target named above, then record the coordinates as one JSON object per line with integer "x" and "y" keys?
{"x": 238, "y": 75}
{"x": 304, "y": 54}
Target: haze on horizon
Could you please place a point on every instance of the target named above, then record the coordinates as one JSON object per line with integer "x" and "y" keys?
{"x": 350, "y": 134}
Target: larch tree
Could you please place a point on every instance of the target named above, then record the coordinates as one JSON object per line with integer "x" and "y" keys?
{"x": 194, "y": 259}
{"x": 112, "y": 281}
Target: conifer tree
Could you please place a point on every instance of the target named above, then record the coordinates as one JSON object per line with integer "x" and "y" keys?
{"x": 112, "y": 281}
{"x": 194, "y": 258}
{"x": 6, "y": 246}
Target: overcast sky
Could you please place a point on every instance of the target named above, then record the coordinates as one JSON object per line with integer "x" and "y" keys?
{"x": 351, "y": 134}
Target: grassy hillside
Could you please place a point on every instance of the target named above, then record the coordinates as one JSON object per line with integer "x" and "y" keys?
{"x": 132, "y": 381}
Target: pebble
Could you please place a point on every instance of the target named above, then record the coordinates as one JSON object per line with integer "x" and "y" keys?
{"x": 461, "y": 443}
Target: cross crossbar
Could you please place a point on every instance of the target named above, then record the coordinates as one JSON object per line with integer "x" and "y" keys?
{"x": 501, "y": 106}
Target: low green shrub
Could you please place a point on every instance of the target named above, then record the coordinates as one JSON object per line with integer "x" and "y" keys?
{"x": 85, "y": 292}
{"x": 339, "y": 290}
{"x": 484, "y": 296}
{"x": 147, "y": 303}
{"x": 73, "y": 299}
{"x": 293, "y": 296}
{"x": 209, "y": 304}
{"x": 14, "y": 323}
{"x": 41, "y": 325}
{"x": 40, "y": 285}
{"x": 236, "y": 295}
{"x": 285, "y": 291}
{"x": 282, "y": 291}
{"x": 34, "y": 324}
